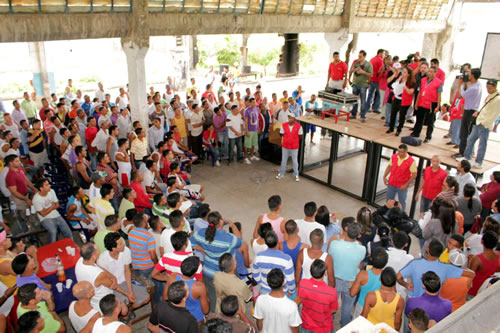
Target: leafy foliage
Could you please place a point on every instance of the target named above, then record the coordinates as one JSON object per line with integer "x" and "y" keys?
{"x": 229, "y": 53}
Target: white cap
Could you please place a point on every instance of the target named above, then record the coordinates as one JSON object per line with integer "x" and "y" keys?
{"x": 396, "y": 65}
{"x": 457, "y": 258}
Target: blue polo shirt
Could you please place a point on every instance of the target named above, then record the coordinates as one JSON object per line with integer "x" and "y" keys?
{"x": 418, "y": 267}
{"x": 223, "y": 242}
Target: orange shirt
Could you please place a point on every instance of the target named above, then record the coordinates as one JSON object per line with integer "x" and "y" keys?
{"x": 456, "y": 290}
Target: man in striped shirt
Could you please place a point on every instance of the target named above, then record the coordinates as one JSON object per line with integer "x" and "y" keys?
{"x": 319, "y": 301}
{"x": 271, "y": 258}
{"x": 143, "y": 250}
{"x": 102, "y": 206}
{"x": 171, "y": 262}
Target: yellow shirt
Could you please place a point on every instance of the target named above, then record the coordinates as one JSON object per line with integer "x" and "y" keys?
{"x": 181, "y": 125}
{"x": 382, "y": 312}
{"x": 139, "y": 149}
{"x": 413, "y": 166}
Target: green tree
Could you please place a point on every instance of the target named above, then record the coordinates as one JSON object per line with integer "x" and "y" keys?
{"x": 307, "y": 52}
{"x": 264, "y": 59}
{"x": 229, "y": 53}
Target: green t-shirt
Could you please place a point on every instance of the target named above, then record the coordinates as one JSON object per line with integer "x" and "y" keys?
{"x": 99, "y": 239}
{"x": 361, "y": 80}
{"x": 124, "y": 206}
{"x": 51, "y": 325}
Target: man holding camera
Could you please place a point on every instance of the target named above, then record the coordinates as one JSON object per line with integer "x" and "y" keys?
{"x": 471, "y": 92}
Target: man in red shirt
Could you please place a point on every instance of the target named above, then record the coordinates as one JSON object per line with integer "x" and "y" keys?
{"x": 319, "y": 300}
{"x": 18, "y": 184}
{"x": 142, "y": 200}
{"x": 403, "y": 171}
{"x": 440, "y": 74}
{"x": 209, "y": 92}
{"x": 428, "y": 103}
{"x": 337, "y": 73}
{"x": 378, "y": 68}
{"x": 90, "y": 134}
{"x": 490, "y": 192}
{"x": 45, "y": 106}
{"x": 431, "y": 184}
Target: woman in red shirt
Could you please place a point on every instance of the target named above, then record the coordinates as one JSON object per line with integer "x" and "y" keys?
{"x": 431, "y": 185}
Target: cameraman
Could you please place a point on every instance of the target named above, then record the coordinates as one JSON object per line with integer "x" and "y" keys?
{"x": 471, "y": 91}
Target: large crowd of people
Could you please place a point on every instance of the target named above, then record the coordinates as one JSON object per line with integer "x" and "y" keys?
{"x": 79, "y": 165}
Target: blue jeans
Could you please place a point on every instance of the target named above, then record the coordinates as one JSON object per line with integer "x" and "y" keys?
{"x": 376, "y": 101}
{"x": 51, "y": 225}
{"x": 455, "y": 131}
{"x": 93, "y": 160}
{"x": 361, "y": 92}
{"x": 343, "y": 288}
{"x": 223, "y": 144}
{"x": 391, "y": 195}
{"x": 293, "y": 153}
{"x": 159, "y": 285}
{"x": 232, "y": 142}
{"x": 214, "y": 154}
{"x": 478, "y": 132}
{"x": 388, "y": 107}
{"x": 425, "y": 204}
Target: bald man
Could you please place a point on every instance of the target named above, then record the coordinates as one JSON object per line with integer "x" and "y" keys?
{"x": 80, "y": 312}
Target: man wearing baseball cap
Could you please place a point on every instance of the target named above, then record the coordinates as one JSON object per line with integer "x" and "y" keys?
{"x": 483, "y": 121}
{"x": 456, "y": 290}
{"x": 291, "y": 132}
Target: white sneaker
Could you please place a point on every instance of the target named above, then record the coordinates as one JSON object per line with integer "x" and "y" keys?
{"x": 460, "y": 159}
{"x": 297, "y": 179}
{"x": 279, "y": 176}
{"x": 476, "y": 165}
{"x": 247, "y": 161}
{"x": 217, "y": 164}
{"x": 254, "y": 158}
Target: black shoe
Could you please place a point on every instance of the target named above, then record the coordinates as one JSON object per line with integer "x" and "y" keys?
{"x": 410, "y": 121}
{"x": 352, "y": 117}
{"x": 390, "y": 130}
{"x": 398, "y": 133}
{"x": 450, "y": 143}
{"x": 455, "y": 147}
{"x": 414, "y": 135}
{"x": 383, "y": 117}
{"x": 446, "y": 136}
{"x": 457, "y": 155}
{"x": 427, "y": 140}
{"x": 377, "y": 112}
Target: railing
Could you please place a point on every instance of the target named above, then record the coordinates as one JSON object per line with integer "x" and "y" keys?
{"x": 408, "y": 9}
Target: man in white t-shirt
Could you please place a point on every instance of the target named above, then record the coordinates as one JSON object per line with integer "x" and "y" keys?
{"x": 274, "y": 311}
{"x": 103, "y": 282}
{"x": 177, "y": 222}
{"x": 101, "y": 138}
{"x": 464, "y": 176}
{"x": 398, "y": 258}
{"x": 46, "y": 205}
{"x": 282, "y": 115}
{"x": 236, "y": 130}
{"x": 117, "y": 260}
{"x": 308, "y": 224}
{"x": 152, "y": 187}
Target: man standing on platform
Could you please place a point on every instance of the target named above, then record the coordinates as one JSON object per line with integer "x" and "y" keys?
{"x": 428, "y": 103}
{"x": 362, "y": 70}
{"x": 378, "y": 68}
{"x": 483, "y": 122}
{"x": 337, "y": 73}
{"x": 291, "y": 132}
{"x": 403, "y": 171}
{"x": 471, "y": 92}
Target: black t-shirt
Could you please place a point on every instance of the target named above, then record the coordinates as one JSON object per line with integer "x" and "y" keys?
{"x": 37, "y": 145}
{"x": 173, "y": 319}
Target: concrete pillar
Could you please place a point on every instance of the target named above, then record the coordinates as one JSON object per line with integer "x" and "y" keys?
{"x": 43, "y": 80}
{"x": 429, "y": 45}
{"x": 244, "y": 51}
{"x": 136, "y": 52}
{"x": 337, "y": 41}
